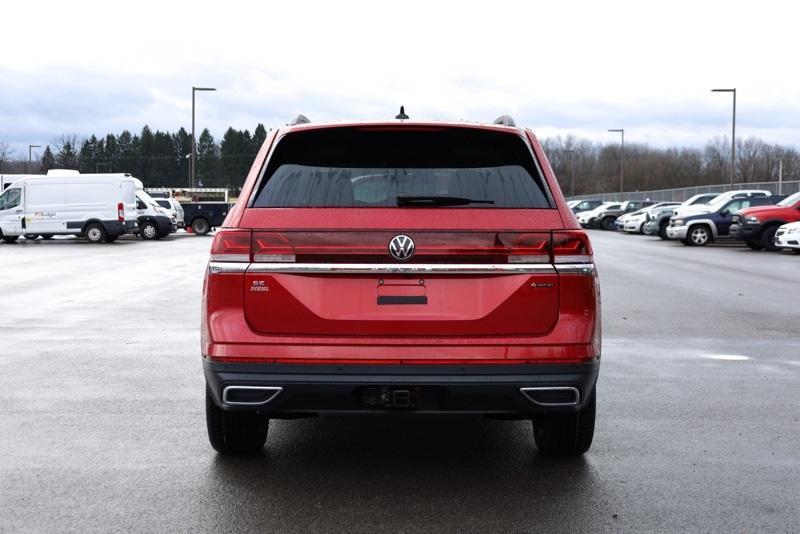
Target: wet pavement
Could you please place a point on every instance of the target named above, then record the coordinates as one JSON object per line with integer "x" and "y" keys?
{"x": 102, "y": 425}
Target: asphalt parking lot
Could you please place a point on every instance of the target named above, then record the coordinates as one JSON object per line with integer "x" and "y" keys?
{"x": 103, "y": 427}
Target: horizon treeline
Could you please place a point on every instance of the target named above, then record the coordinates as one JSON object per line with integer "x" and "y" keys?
{"x": 160, "y": 159}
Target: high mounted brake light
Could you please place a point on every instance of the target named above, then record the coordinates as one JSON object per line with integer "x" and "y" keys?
{"x": 571, "y": 246}
{"x": 232, "y": 246}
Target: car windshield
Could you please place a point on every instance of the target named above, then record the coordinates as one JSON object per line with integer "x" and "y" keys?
{"x": 791, "y": 200}
{"x": 425, "y": 167}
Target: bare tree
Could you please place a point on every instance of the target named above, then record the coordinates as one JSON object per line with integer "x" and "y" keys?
{"x": 5, "y": 154}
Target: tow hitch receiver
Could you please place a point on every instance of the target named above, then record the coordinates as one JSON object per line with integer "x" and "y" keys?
{"x": 392, "y": 396}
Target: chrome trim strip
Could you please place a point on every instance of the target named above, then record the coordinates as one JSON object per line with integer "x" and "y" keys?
{"x": 275, "y": 389}
{"x": 574, "y": 390}
{"x": 399, "y": 268}
{"x": 586, "y": 269}
{"x": 222, "y": 267}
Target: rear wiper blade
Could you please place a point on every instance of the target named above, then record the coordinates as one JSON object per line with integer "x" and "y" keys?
{"x": 439, "y": 201}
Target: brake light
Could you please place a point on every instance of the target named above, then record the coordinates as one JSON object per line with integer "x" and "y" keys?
{"x": 571, "y": 247}
{"x": 231, "y": 245}
{"x": 120, "y": 211}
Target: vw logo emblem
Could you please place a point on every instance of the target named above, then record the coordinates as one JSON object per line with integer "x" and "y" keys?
{"x": 401, "y": 247}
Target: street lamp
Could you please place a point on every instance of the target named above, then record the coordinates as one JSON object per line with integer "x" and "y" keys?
{"x": 30, "y": 147}
{"x": 733, "y": 132}
{"x": 571, "y": 153}
{"x": 621, "y": 131}
{"x": 193, "y": 163}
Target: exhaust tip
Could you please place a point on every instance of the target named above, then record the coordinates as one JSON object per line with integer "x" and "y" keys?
{"x": 552, "y": 396}
{"x": 249, "y": 395}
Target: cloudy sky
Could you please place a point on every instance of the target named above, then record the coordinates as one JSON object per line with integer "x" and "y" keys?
{"x": 559, "y": 67}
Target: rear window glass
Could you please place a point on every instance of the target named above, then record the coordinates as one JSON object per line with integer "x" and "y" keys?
{"x": 371, "y": 167}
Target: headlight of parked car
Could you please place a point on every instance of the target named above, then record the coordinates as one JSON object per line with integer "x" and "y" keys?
{"x": 793, "y": 231}
{"x": 677, "y": 222}
{"x": 752, "y": 219}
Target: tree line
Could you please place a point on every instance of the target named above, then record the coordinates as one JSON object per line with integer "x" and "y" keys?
{"x": 160, "y": 159}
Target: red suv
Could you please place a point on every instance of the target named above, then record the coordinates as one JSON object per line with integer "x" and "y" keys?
{"x": 404, "y": 266}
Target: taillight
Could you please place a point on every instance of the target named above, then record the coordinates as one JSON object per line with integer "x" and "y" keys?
{"x": 231, "y": 245}
{"x": 121, "y": 211}
{"x": 530, "y": 248}
{"x": 571, "y": 247}
{"x": 272, "y": 247}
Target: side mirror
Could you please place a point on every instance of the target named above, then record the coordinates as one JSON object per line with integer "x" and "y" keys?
{"x": 725, "y": 212}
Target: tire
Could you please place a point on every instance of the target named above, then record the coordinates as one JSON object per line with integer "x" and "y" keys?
{"x": 608, "y": 223}
{"x": 10, "y": 238}
{"x": 754, "y": 245}
{"x": 201, "y": 226}
{"x": 47, "y": 236}
{"x": 768, "y": 238}
{"x": 235, "y": 432}
{"x": 662, "y": 230}
{"x": 111, "y": 238}
{"x": 566, "y": 434}
{"x": 796, "y": 250}
{"x": 149, "y": 231}
{"x": 698, "y": 235}
{"x": 95, "y": 232}
{"x": 31, "y": 237}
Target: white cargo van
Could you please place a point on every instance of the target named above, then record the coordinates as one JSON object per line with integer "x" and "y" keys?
{"x": 100, "y": 207}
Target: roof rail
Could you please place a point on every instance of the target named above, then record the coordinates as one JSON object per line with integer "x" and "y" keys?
{"x": 505, "y": 120}
{"x": 299, "y": 119}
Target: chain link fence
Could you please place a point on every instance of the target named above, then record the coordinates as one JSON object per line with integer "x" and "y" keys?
{"x": 680, "y": 194}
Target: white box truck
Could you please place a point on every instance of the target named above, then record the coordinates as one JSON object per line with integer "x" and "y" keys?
{"x": 100, "y": 207}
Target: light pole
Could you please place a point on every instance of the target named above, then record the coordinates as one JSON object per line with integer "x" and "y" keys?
{"x": 193, "y": 162}
{"x": 621, "y": 131}
{"x": 571, "y": 153}
{"x": 30, "y": 148}
{"x": 733, "y": 132}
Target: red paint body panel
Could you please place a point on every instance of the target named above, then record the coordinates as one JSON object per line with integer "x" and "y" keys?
{"x": 335, "y": 318}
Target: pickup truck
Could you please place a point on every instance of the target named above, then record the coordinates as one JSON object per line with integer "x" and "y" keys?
{"x": 202, "y": 217}
{"x": 701, "y": 226}
{"x": 756, "y": 226}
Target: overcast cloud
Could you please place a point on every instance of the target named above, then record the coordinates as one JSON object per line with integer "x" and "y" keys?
{"x": 558, "y": 67}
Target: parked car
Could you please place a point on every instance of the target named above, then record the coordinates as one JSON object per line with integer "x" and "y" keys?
{"x": 589, "y": 219}
{"x": 100, "y": 207}
{"x": 389, "y": 267}
{"x": 202, "y": 217}
{"x": 174, "y": 208}
{"x": 702, "y": 226}
{"x": 607, "y": 216}
{"x": 788, "y": 237}
{"x": 154, "y": 221}
{"x": 757, "y": 226}
{"x": 658, "y": 218}
{"x": 585, "y": 205}
{"x": 634, "y": 221}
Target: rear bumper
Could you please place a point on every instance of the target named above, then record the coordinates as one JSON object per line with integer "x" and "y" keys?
{"x": 481, "y": 389}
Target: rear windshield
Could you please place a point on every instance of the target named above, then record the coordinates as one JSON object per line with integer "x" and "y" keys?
{"x": 369, "y": 167}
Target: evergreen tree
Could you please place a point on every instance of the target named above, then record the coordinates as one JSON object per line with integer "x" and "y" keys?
{"x": 87, "y": 157}
{"x": 259, "y": 136}
{"x": 67, "y": 157}
{"x": 48, "y": 161}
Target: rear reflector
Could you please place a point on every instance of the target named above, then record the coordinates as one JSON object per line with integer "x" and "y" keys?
{"x": 231, "y": 245}
{"x": 571, "y": 247}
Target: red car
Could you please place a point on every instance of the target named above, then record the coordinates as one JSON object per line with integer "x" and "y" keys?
{"x": 403, "y": 266}
{"x": 756, "y": 226}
